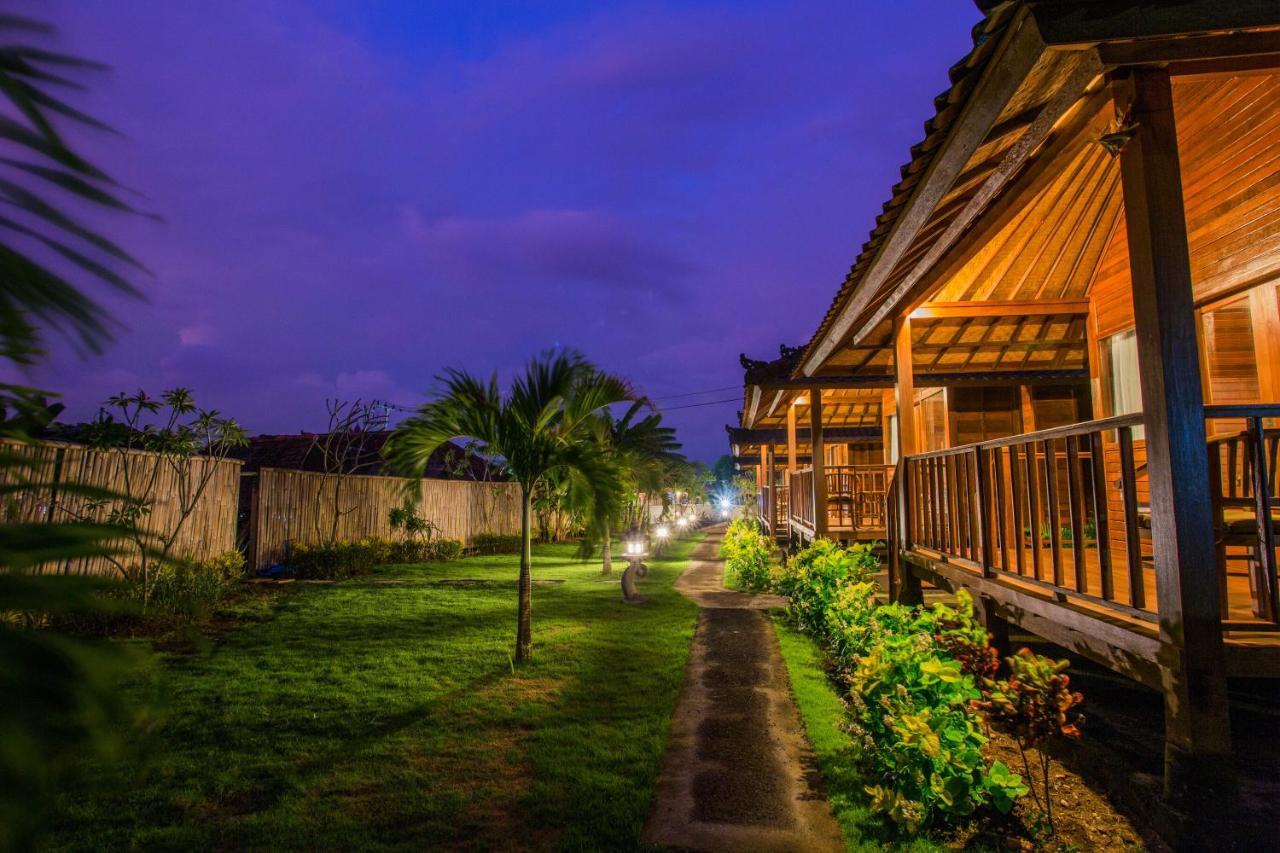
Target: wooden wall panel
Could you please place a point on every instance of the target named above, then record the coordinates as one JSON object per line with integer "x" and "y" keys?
{"x": 981, "y": 413}
{"x": 1229, "y": 144}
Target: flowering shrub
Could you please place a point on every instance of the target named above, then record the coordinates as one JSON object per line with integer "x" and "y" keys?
{"x": 913, "y": 707}
{"x": 748, "y": 554}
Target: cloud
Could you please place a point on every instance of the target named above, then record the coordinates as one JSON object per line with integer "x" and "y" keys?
{"x": 357, "y": 196}
{"x": 547, "y": 245}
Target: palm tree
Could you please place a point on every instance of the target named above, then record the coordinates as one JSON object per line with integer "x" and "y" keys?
{"x": 644, "y": 450}
{"x": 546, "y": 425}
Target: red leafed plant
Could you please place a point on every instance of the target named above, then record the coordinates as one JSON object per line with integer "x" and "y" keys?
{"x": 1033, "y": 705}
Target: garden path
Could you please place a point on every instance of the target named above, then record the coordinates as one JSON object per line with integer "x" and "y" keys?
{"x": 738, "y": 773}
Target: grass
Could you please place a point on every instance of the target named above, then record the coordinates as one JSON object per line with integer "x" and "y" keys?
{"x": 373, "y": 715}
{"x": 823, "y": 712}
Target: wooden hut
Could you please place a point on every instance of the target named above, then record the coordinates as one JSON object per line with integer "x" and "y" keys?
{"x": 1068, "y": 314}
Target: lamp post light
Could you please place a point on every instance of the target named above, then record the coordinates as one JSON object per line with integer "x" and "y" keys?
{"x": 662, "y": 533}
{"x": 634, "y": 547}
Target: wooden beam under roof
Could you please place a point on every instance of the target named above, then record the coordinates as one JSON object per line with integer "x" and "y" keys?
{"x": 1219, "y": 46}
{"x": 1083, "y": 23}
{"x": 943, "y": 379}
{"x": 940, "y": 310}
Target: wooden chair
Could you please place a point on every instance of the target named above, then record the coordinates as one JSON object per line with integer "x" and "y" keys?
{"x": 1243, "y": 486}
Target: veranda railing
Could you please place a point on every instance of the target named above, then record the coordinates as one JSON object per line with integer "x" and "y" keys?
{"x": 1066, "y": 509}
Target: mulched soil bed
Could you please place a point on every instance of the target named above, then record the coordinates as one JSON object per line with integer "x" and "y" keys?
{"x": 1083, "y": 817}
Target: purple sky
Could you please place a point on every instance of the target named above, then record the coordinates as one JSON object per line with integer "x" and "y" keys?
{"x": 358, "y": 194}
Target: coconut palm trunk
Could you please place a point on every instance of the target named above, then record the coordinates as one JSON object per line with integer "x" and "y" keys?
{"x": 607, "y": 551}
{"x": 524, "y": 608}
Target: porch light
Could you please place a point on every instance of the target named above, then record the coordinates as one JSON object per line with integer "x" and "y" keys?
{"x": 634, "y": 545}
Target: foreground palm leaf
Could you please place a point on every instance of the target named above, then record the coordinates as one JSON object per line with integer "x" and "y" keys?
{"x": 545, "y": 426}
{"x": 68, "y": 707}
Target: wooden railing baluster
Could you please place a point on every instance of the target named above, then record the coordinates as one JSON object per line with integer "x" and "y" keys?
{"x": 1101, "y": 515}
{"x": 1031, "y": 466}
{"x": 1265, "y": 562}
{"x": 1053, "y": 510}
{"x": 1075, "y": 508}
{"x": 1133, "y": 543}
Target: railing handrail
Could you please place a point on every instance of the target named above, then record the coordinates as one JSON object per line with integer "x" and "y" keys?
{"x": 1083, "y": 428}
{"x": 1243, "y": 410}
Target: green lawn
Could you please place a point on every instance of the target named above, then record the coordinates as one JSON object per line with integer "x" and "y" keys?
{"x": 366, "y": 715}
{"x": 823, "y": 712}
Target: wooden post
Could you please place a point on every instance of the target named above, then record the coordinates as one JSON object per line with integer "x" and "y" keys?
{"x": 904, "y": 389}
{"x": 1199, "y": 775}
{"x": 771, "y": 477}
{"x": 819, "y": 463}
{"x": 792, "y": 451}
{"x": 886, "y": 426}
{"x": 1028, "y": 409}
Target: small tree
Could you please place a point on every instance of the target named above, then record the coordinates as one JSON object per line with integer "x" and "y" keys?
{"x": 412, "y": 525}
{"x": 643, "y": 450}
{"x": 182, "y": 441}
{"x": 544, "y": 426}
{"x": 1034, "y": 705}
{"x": 345, "y": 449}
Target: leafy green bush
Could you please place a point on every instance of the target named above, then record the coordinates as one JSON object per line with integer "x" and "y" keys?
{"x": 748, "y": 555}
{"x": 913, "y": 707}
{"x": 815, "y": 576}
{"x": 496, "y": 543}
{"x": 913, "y": 679}
{"x": 188, "y": 591}
{"x": 340, "y": 560}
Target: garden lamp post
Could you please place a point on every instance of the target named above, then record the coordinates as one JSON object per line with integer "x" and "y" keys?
{"x": 683, "y": 524}
{"x": 662, "y": 533}
{"x": 634, "y": 548}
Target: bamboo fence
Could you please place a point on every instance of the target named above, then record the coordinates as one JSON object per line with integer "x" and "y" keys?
{"x": 210, "y": 530}
{"x": 298, "y": 507}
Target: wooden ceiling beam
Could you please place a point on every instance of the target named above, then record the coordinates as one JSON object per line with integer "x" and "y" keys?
{"x": 946, "y": 310}
{"x": 1040, "y": 173}
{"x": 1084, "y": 23}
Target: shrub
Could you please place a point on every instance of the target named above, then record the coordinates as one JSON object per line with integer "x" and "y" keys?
{"x": 815, "y": 577}
{"x": 496, "y": 543}
{"x": 340, "y": 560}
{"x": 188, "y": 591}
{"x": 913, "y": 707}
{"x": 913, "y": 680}
{"x": 747, "y": 554}
{"x": 1033, "y": 705}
